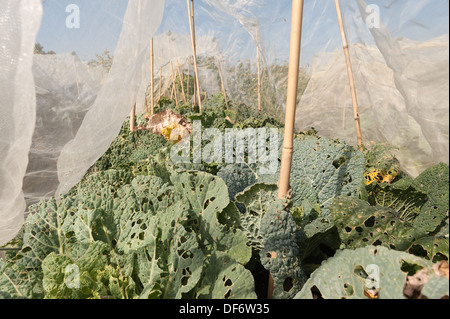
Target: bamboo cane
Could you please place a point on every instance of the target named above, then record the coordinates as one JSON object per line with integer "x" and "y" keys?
{"x": 76, "y": 75}
{"x": 180, "y": 75}
{"x": 291, "y": 104}
{"x": 222, "y": 83}
{"x": 160, "y": 83}
{"x": 152, "y": 97}
{"x": 189, "y": 76}
{"x": 194, "y": 50}
{"x": 259, "y": 78}
{"x": 132, "y": 119}
{"x": 350, "y": 75}
{"x": 133, "y": 110}
{"x": 174, "y": 83}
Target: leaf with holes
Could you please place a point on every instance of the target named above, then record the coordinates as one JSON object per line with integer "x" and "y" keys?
{"x": 323, "y": 169}
{"x": 237, "y": 178}
{"x": 256, "y": 200}
{"x": 184, "y": 265}
{"x": 434, "y": 248}
{"x": 435, "y": 182}
{"x": 139, "y": 209}
{"x": 400, "y": 196}
{"x": 226, "y": 279}
{"x": 206, "y": 197}
{"x": 85, "y": 271}
{"x": 17, "y": 281}
{"x": 355, "y": 274}
{"x": 44, "y": 231}
{"x": 360, "y": 224}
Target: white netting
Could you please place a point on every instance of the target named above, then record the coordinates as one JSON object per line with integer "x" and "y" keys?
{"x": 19, "y": 24}
{"x": 59, "y": 113}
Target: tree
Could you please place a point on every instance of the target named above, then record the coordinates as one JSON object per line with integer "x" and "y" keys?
{"x": 39, "y": 49}
{"x": 105, "y": 60}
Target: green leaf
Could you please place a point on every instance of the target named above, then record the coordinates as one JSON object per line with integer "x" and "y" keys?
{"x": 237, "y": 177}
{"x": 323, "y": 169}
{"x": 19, "y": 282}
{"x": 432, "y": 247}
{"x": 435, "y": 182}
{"x": 226, "y": 279}
{"x": 82, "y": 272}
{"x": 43, "y": 231}
{"x": 280, "y": 255}
{"x": 256, "y": 200}
{"x": 208, "y": 199}
{"x": 436, "y": 288}
{"x": 360, "y": 224}
{"x": 351, "y": 272}
{"x": 401, "y": 196}
{"x": 330, "y": 167}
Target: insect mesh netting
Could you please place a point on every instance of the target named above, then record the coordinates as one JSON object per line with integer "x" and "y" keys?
{"x": 60, "y": 112}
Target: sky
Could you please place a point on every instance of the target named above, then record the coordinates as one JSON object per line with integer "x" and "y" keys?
{"x": 99, "y": 27}
{"x": 101, "y": 23}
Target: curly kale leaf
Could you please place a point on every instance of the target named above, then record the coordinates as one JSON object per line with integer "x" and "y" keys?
{"x": 237, "y": 177}
{"x": 280, "y": 254}
{"x": 129, "y": 148}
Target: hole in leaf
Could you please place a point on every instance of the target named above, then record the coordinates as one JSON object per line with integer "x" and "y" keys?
{"x": 348, "y": 289}
{"x": 348, "y": 229}
{"x": 315, "y": 292}
{"x": 182, "y": 240}
{"x": 187, "y": 273}
{"x": 206, "y": 204}
{"x": 410, "y": 268}
{"x": 370, "y": 222}
{"x": 288, "y": 284}
{"x": 228, "y": 283}
{"x": 360, "y": 272}
{"x": 186, "y": 255}
{"x": 359, "y": 229}
{"x": 228, "y": 294}
{"x": 271, "y": 255}
{"x": 339, "y": 162}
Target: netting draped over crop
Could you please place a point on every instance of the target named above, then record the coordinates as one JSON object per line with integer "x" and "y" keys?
{"x": 60, "y": 112}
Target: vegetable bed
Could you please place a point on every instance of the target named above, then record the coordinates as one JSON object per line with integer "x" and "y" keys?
{"x": 141, "y": 226}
